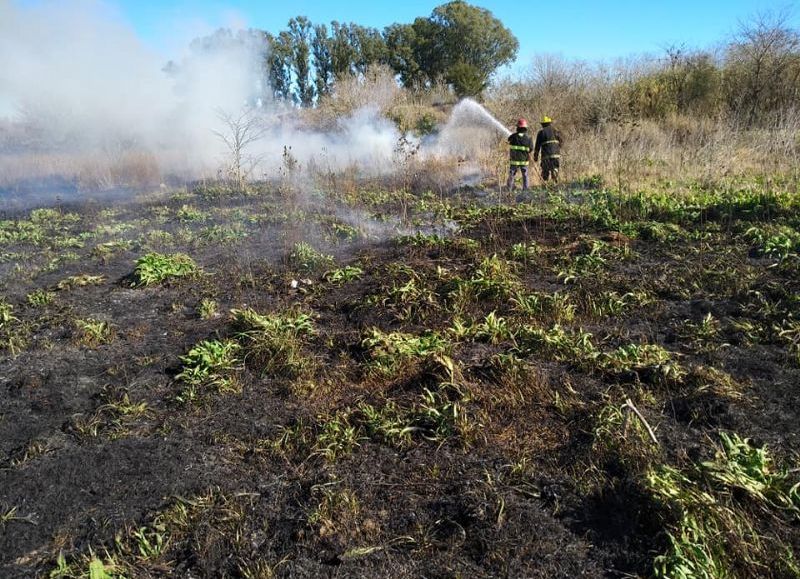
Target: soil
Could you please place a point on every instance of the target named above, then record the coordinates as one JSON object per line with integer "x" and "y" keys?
{"x": 452, "y": 506}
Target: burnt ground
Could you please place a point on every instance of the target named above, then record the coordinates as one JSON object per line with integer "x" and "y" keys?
{"x": 502, "y": 453}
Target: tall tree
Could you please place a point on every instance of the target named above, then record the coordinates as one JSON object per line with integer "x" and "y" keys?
{"x": 472, "y": 44}
{"x": 300, "y": 34}
{"x": 323, "y": 64}
{"x": 279, "y": 64}
{"x": 343, "y": 53}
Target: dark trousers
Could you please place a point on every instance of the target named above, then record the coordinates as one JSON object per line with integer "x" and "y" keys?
{"x": 512, "y": 173}
{"x": 550, "y": 168}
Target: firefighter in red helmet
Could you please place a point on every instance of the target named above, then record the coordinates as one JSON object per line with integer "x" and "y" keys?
{"x": 520, "y": 147}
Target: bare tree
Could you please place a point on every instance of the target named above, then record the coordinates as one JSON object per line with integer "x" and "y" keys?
{"x": 240, "y": 131}
{"x": 764, "y": 66}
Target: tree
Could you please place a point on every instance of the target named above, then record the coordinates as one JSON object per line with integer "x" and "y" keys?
{"x": 300, "y": 35}
{"x": 239, "y": 132}
{"x": 401, "y": 54}
{"x": 763, "y": 68}
{"x": 459, "y": 43}
{"x": 323, "y": 63}
{"x": 468, "y": 44}
{"x": 279, "y": 64}
{"x": 343, "y": 53}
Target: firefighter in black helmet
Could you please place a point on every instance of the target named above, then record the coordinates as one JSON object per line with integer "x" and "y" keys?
{"x": 548, "y": 144}
{"x": 520, "y": 144}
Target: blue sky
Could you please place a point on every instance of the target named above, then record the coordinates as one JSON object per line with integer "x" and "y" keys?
{"x": 585, "y": 29}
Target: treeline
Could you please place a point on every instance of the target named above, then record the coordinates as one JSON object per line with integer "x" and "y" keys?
{"x": 754, "y": 77}
{"x": 751, "y": 79}
{"x": 458, "y": 44}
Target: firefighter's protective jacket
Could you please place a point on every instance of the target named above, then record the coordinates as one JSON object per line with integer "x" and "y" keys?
{"x": 548, "y": 144}
{"x": 521, "y": 145}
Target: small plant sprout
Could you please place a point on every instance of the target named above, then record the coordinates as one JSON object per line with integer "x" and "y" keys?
{"x": 40, "y": 297}
{"x": 307, "y": 259}
{"x": 208, "y": 309}
{"x": 92, "y": 333}
{"x": 344, "y": 274}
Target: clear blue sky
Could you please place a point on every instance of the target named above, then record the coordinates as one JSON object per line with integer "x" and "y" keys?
{"x": 586, "y": 29}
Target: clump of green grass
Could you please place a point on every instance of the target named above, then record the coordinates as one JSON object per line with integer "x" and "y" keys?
{"x": 642, "y": 358}
{"x": 208, "y": 308}
{"x": 337, "y": 437}
{"x": 389, "y": 351}
{"x": 305, "y": 258}
{"x": 40, "y": 297}
{"x": 155, "y": 268}
{"x": 337, "y": 510}
{"x": 189, "y": 213}
{"x": 343, "y": 275}
{"x": 209, "y": 364}
{"x": 13, "y": 334}
{"x": 779, "y": 242}
{"x": 711, "y": 502}
{"x": 525, "y": 252}
{"x": 92, "y": 333}
{"x": 274, "y": 343}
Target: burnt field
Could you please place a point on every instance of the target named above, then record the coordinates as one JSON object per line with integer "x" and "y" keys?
{"x": 575, "y": 384}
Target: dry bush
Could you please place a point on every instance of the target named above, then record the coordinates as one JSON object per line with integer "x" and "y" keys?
{"x": 377, "y": 88}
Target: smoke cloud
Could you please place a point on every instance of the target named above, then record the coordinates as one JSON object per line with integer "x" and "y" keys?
{"x": 76, "y": 81}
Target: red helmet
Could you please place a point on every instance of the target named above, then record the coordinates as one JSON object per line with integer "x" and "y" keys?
{"x": 522, "y": 124}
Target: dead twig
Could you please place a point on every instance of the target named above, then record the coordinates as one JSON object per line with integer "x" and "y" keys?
{"x": 629, "y": 405}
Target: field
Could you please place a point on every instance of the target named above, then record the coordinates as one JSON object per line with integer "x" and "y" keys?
{"x": 380, "y": 383}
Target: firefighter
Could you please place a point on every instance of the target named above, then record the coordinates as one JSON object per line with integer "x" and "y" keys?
{"x": 548, "y": 144}
{"x": 520, "y": 146}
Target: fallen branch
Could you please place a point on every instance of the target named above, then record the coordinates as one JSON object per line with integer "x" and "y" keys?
{"x": 629, "y": 405}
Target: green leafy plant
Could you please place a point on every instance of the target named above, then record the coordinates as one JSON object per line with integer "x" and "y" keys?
{"x": 344, "y": 274}
{"x": 714, "y": 533}
{"x": 208, "y": 308}
{"x": 155, "y": 268}
{"x": 209, "y": 364}
{"x": 92, "y": 333}
{"x": 388, "y": 351}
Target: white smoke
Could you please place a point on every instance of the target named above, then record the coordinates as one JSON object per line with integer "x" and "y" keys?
{"x": 76, "y": 79}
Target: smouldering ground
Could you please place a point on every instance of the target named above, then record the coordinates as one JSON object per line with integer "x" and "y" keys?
{"x": 322, "y": 392}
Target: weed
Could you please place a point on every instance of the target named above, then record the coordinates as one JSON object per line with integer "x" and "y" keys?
{"x": 337, "y": 437}
{"x": 208, "y": 309}
{"x": 107, "y": 250}
{"x": 13, "y": 334}
{"x": 209, "y": 364}
{"x": 702, "y": 336}
{"x": 305, "y": 258}
{"x": 92, "y": 333}
{"x": 493, "y": 329}
{"x": 525, "y": 252}
{"x": 714, "y": 533}
{"x": 274, "y": 343}
{"x": 639, "y": 359}
{"x": 155, "y": 268}
{"x": 82, "y": 280}
{"x": 387, "y": 352}
{"x": 343, "y": 275}
{"x": 388, "y": 424}
{"x": 190, "y": 213}
{"x": 584, "y": 265}
{"x": 337, "y": 509}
